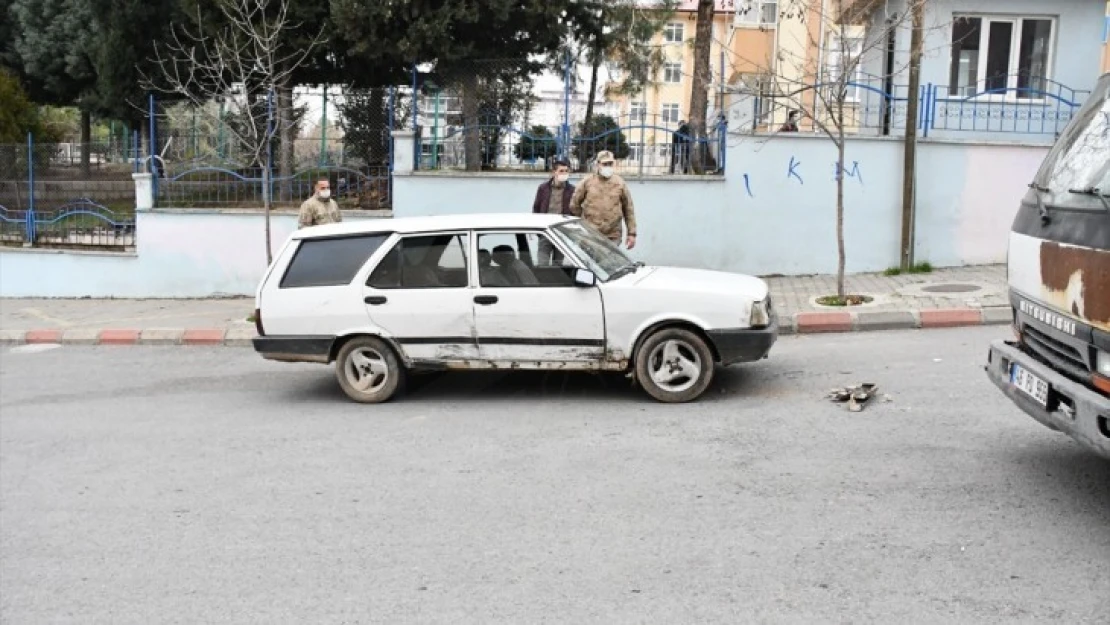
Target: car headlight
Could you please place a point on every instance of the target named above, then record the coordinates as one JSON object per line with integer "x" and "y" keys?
{"x": 1102, "y": 363}
{"x": 761, "y": 313}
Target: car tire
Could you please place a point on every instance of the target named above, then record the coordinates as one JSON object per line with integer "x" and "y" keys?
{"x": 368, "y": 370}
{"x": 674, "y": 365}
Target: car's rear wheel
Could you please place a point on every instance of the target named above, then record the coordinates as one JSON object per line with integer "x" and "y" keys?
{"x": 674, "y": 365}
{"x": 368, "y": 370}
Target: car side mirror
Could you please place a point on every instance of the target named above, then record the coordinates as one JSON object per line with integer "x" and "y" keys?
{"x": 584, "y": 277}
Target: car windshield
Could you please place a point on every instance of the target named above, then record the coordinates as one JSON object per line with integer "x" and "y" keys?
{"x": 599, "y": 254}
{"x": 1076, "y": 171}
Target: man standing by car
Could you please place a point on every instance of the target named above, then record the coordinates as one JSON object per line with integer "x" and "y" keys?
{"x": 553, "y": 197}
{"x": 604, "y": 201}
{"x": 320, "y": 208}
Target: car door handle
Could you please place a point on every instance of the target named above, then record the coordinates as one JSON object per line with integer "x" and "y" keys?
{"x": 485, "y": 300}
{"x": 375, "y": 300}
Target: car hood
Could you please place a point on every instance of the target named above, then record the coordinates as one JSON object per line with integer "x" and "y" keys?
{"x": 684, "y": 280}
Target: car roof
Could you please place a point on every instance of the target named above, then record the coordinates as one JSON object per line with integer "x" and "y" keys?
{"x": 407, "y": 225}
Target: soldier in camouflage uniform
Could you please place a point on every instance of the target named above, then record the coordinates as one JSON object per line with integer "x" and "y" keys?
{"x": 604, "y": 201}
{"x": 320, "y": 208}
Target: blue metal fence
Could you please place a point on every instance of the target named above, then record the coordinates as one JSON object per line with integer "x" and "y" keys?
{"x": 1036, "y": 108}
{"x": 46, "y": 193}
{"x": 642, "y": 145}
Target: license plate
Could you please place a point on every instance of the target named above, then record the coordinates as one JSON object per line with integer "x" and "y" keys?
{"x": 1029, "y": 384}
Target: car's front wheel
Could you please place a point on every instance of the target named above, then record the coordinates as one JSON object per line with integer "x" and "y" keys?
{"x": 674, "y": 365}
{"x": 368, "y": 370}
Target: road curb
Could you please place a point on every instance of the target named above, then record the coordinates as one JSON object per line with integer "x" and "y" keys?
{"x": 799, "y": 323}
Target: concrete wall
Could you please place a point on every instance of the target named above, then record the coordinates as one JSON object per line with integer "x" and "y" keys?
{"x": 775, "y": 210}
{"x": 773, "y": 213}
{"x": 179, "y": 253}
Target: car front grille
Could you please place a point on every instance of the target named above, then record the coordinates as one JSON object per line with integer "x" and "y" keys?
{"x": 1056, "y": 354}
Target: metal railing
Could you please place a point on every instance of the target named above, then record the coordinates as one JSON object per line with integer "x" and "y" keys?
{"x": 74, "y": 196}
{"x": 1036, "y": 108}
{"x": 640, "y": 147}
{"x": 1041, "y": 107}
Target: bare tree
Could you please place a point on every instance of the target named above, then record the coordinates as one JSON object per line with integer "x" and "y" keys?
{"x": 849, "y": 34}
{"x": 699, "y": 89}
{"x": 243, "y": 61}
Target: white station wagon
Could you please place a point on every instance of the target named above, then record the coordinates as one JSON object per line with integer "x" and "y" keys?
{"x": 506, "y": 291}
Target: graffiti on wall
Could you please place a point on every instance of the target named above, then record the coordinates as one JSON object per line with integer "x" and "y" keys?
{"x": 793, "y": 171}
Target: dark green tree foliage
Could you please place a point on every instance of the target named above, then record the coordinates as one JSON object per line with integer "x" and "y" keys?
{"x": 455, "y": 37}
{"x": 601, "y": 133}
{"x": 55, "y": 41}
{"x": 128, "y": 31}
{"x": 537, "y": 143}
{"x": 365, "y": 123}
{"x": 17, "y": 113}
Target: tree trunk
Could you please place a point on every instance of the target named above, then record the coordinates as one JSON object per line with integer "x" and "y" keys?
{"x": 909, "y": 163}
{"x": 595, "y": 64}
{"x": 286, "y": 137}
{"x": 472, "y": 139}
{"x": 699, "y": 98}
{"x": 266, "y": 204}
{"x": 86, "y": 141}
{"x": 840, "y": 200}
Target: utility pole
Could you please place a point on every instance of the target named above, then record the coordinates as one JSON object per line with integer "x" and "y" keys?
{"x": 909, "y": 167}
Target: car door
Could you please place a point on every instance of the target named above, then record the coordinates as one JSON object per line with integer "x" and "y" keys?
{"x": 420, "y": 295}
{"x": 527, "y": 307}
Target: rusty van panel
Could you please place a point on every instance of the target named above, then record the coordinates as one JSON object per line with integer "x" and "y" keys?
{"x": 1077, "y": 280}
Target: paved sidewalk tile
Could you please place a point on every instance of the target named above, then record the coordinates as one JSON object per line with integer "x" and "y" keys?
{"x": 998, "y": 315}
{"x": 81, "y": 336}
{"x": 885, "y": 320}
{"x": 809, "y": 322}
{"x": 203, "y": 336}
{"x": 950, "y": 318}
{"x": 44, "y": 336}
{"x": 12, "y": 337}
{"x": 161, "y": 336}
{"x": 119, "y": 337}
{"x": 240, "y": 336}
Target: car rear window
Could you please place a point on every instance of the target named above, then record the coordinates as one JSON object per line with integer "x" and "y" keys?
{"x": 330, "y": 262}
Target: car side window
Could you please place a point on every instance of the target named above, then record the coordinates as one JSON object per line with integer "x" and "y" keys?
{"x": 521, "y": 259}
{"x": 423, "y": 262}
{"x": 332, "y": 261}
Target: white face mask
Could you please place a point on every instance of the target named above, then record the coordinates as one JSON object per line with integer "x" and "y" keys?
{"x": 562, "y": 177}
{"x": 324, "y": 194}
{"x": 605, "y": 172}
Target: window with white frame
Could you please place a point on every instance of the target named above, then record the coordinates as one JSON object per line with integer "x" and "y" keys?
{"x": 670, "y": 113}
{"x": 674, "y": 32}
{"x": 1001, "y": 56}
{"x": 757, "y": 12}
{"x": 635, "y": 151}
{"x": 843, "y": 57}
{"x": 637, "y": 112}
{"x": 672, "y": 72}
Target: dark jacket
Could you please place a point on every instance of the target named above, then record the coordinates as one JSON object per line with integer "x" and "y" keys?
{"x": 543, "y": 197}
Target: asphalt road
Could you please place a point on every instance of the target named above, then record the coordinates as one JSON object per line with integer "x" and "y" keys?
{"x": 185, "y": 485}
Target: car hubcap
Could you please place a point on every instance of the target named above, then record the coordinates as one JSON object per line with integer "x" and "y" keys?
{"x": 675, "y": 366}
{"x": 367, "y": 370}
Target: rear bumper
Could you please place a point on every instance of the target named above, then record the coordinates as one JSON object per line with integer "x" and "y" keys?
{"x": 1073, "y": 409}
{"x": 291, "y": 348}
{"x": 744, "y": 344}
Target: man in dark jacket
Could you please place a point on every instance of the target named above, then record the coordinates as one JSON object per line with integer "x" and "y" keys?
{"x": 553, "y": 197}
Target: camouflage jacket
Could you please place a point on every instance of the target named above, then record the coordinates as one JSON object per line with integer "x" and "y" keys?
{"x": 604, "y": 203}
{"x": 315, "y": 212}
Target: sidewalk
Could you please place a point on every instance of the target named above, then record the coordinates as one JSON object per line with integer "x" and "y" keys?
{"x": 943, "y": 298}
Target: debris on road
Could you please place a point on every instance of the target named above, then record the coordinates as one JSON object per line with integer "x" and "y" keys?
{"x": 855, "y": 396}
